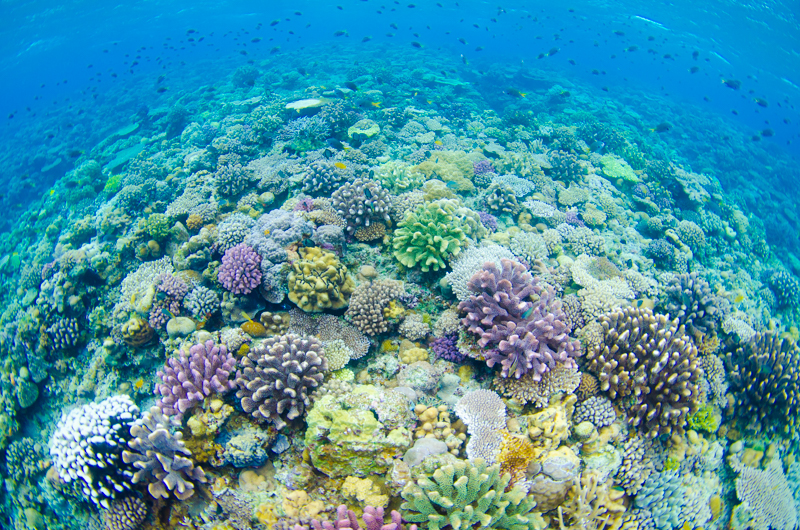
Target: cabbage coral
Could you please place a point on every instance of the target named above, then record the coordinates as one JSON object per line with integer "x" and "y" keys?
{"x": 434, "y": 232}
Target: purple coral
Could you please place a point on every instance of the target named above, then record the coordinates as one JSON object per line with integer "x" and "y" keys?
{"x": 489, "y": 221}
{"x": 240, "y": 271}
{"x": 170, "y": 292}
{"x": 172, "y": 286}
{"x": 571, "y": 218}
{"x": 347, "y": 520}
{"x": 189, "y": 378}
{"x": 445, "y": 348}
{"x": 482, "y": 167}
{"x": 522, "y": 320}
{"x": 304, "y": 205}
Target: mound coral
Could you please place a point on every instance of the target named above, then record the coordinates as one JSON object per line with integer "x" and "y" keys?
{"x": 278, "y": 376}
{"x": 318, "y": 281}
{"x": 464, "y": 495}
{"x": 435, "y": 232}
{"x": 527, "y": 334}
{"x": 369, "y": 302}
{"x": 650, "y": 368}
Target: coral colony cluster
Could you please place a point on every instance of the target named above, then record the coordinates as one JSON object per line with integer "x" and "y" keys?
{"x": 302, "y": 310}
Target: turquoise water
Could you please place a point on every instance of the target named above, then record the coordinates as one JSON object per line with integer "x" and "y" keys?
{"x": 560, "y": 239}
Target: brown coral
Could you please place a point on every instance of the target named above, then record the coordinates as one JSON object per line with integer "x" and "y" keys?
{"x": 371, "y": 232}
{"x": 137, "y": 333}
{"x": 318, "y": 281}
{"x": 368, "y": 302}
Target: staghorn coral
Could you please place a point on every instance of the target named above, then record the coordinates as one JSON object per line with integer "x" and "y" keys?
{"x": 463, "y": 495}
{"x": 435, "y": 232}
{"x": 159, "y": 458}
{"x": 368, "y": 303}
{"x": 650, "y": 368}
{"x": 763, "y": 375}
{"x": 277, "y": 377}
{"x": 318, "y": 281}
{"x": 188, "y": 379}
{"x": 527, "y": 334}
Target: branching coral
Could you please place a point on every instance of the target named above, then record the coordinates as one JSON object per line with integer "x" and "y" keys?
{"x": 362, "y": 203}
{"x": 763, "y": 375}
{"x": 159, "y": 458}
{"x": 278, "y": 376}
{"x": 434, "y": 232}
{"x": 527, "y": 334}
{"x": 465, "y": 495}
{"x": 319, "y": 281}
{"x": 688, "y": 298}
{"x": 650, "y": 368}
{"x": 368, "y": 303}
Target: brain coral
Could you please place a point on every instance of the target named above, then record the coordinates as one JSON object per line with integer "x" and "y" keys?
{"x": 319, "y": 281}
{"x": 650, "y": 367}
{"x": 435, "y": 232}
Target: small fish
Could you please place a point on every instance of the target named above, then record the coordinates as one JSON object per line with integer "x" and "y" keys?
{"x": 275, "y": 50}
{"x": 138, "y": 384}
{"x": 75, "y": 153}
{"x": 438, "y": 142}
{"x": 739, "y": 299}
{"x": 463, "y": 59}
{"x": 366, "y": 39}
{"x": 266, "y": 232}
{"x": 766, "y": 133}
{"x": 352, "y": 86}
{"x": 695, "y": 55}
{"x": 761, "y": 102}
{"x": 631, "y": 48}
{"x": 452, "y": 185}
{"x": 336, "y": 144}
{"x": 340, "y": 33}
{"x": 51, "y": 194}
{"x": 694, "y": 69}
{"x": 416, "y": 44}
{"x": 527, "y": 313}
{"x": 515, "y": 93}
{"x": 479, "y": 48}
{"x": 367, "y": 193}
{"x": 393, "y": 26}
{"x": 256, "y": 40}
{"x": 572, "y": 62}
{"x": 553, "y": 51}
{"x": 274, "y": 22}
{"x": 167, "y": 312}
{"x": 619, "y": 33}
{"x": 376, "y": 104}
{"x": 339, "y": 165}
{"x": 732, "y": 83}
{"x": 662, "y": 127}
{"x": 161, "y": 89}
{"x": 462, "y": 41}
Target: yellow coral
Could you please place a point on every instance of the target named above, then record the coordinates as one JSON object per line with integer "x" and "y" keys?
{"x": 549, "y": 427}
{"x": 466, "y": 373}
{"x": 265, "y": 514}
{"x": 365, "y": 492}
{"x": 516, "y": 452}
{"x": 413, "y": 355}
{"x": 297, "y": 504}
{"x": 319, "y": 281}
{"x": 394, "y": 311}
{"x": 388, "y": 345}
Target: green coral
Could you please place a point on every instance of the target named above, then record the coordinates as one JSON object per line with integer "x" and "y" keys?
{"x": 435, "y": 232}
{"x": 156, "y": 225}
{"x": 344, "y": 441}
{"x": 617, "y": 169}
{"x": 705, "y": 419}
{"x": 113, "y": 184}
{"x": 465, "y": 495}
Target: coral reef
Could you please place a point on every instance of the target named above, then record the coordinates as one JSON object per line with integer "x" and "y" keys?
{"x": 318, "y": 281}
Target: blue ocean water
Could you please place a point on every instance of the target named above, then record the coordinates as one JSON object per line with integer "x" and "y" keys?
{"x": 680, "y": 127}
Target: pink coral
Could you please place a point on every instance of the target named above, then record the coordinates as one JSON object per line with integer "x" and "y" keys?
{"x": 240, "y": 271}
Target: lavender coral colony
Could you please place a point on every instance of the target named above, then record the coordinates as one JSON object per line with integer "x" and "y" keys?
{"x": 299, "y": 297}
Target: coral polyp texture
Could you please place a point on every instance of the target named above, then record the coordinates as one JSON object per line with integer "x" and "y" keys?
{"x": 278, "y": 376}
{"x": 764, "y": 375}
{"x": 191, "y": 377}
{"x": 240, "y": 271}
{"x": 318, "y": 281}
{"x": 650, "y": 368}
{"x": 519, "y": 321}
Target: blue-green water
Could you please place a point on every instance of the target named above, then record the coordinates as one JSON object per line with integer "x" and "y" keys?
{"x": 367, "y": 224}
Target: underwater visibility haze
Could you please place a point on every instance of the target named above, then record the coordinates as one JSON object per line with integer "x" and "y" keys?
{"x": 387, "y": 264}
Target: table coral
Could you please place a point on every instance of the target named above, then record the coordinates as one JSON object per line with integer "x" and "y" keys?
{"x": 318, "y": 281}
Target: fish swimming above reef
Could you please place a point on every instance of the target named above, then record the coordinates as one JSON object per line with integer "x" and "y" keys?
{"x": 662, "y": 127}
{"x": 515, "y": 93}
{"x": 732, "y": 83}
